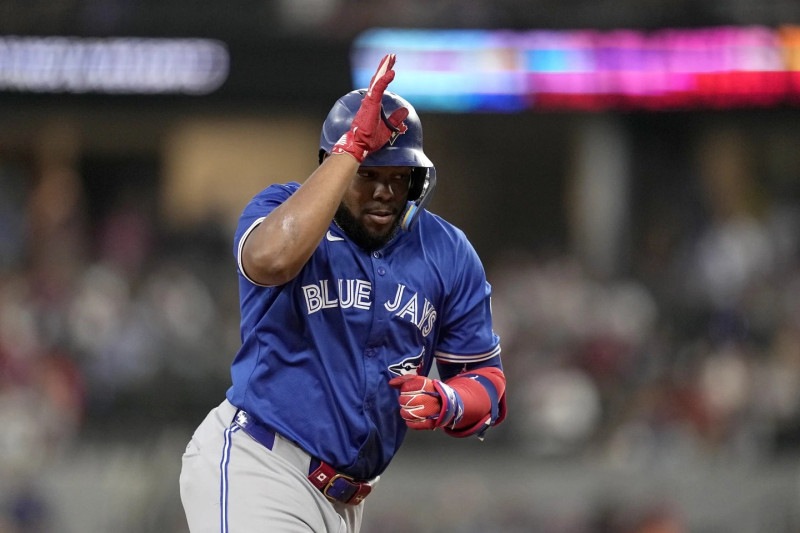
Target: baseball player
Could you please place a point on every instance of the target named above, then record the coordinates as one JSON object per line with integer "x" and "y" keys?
{"x": 350, "y": 291}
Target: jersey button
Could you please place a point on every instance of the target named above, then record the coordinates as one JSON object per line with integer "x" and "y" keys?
{"x": 381, "y": 271}
{"x": 369, "y": 352}
{"x": 376, "y": 255}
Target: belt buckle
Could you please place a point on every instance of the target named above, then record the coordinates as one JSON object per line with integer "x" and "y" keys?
{"x": 330, "y": 483}
{"x": 356, "y": 498}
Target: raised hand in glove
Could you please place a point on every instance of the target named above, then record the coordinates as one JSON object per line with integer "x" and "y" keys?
{"x": 370, "y": 129}
{"x": 428, "y": 403}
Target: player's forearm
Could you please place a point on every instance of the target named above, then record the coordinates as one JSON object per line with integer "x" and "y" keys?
{"x": 278, "y": 248}
{"x": 481, "y": 391}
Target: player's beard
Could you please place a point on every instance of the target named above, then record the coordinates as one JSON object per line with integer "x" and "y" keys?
{"x": 360, "y": 234}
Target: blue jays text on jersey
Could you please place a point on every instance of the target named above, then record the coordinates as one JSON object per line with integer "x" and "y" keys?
{"x": 357, "y": 293}
{"x": 317, "y": 352}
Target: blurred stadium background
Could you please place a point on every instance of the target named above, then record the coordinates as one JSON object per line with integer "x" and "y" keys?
{"x": 644, "y": 253}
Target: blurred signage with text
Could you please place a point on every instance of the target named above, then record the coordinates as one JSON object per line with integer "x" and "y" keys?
{"x": 112, "y": 65}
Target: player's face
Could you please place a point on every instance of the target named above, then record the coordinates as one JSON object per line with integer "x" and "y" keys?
{"x": 372, "y": 205}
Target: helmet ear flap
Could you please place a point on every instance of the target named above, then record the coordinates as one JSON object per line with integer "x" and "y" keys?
{"x": 418, "y": 176}
{"x": 415, "y": 208}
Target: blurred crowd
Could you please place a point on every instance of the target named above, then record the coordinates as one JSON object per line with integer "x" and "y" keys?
{"x": 109, "y": 323}
{"x": 106, "y": 327}
{"x": 702, "y": 359}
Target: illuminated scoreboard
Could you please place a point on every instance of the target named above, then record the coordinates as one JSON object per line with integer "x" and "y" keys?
{"x": 507, "y": 71}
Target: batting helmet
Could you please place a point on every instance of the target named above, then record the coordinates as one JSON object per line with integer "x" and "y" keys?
{"x": 404, "y": 150}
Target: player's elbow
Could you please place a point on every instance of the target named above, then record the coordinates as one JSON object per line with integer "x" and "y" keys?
{"x": 268, "y": 268}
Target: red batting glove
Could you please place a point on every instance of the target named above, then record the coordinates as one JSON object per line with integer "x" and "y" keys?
{"x": 427, "y": 403}
{"x": 370, "y": 130}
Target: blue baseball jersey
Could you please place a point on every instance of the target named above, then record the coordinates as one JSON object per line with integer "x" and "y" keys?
{"x": 318, "y": 352}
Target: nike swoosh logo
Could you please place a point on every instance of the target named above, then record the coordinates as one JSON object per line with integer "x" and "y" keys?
{"x": 331, "y": 237}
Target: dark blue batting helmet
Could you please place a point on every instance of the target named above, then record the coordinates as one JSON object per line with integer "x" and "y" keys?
{"x": 404, "y": 150}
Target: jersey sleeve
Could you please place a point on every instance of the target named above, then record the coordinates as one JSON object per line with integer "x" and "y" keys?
{"x": 257, "y": 210}
{"x": 467, "y": 339}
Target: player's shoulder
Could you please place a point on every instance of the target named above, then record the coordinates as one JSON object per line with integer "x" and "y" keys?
{"x": 441, "y": 231}
{"x": 432, "y": 222}
{"x": 444, "y": 243}
{"x": 277, "y": 191}
{"x": 266, "y": 200}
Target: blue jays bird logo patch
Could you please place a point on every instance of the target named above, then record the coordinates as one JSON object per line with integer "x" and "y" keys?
{"x": 409, "y": 366}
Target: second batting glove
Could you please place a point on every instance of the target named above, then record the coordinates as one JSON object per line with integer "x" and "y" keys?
{"x": 428, "y": 403}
